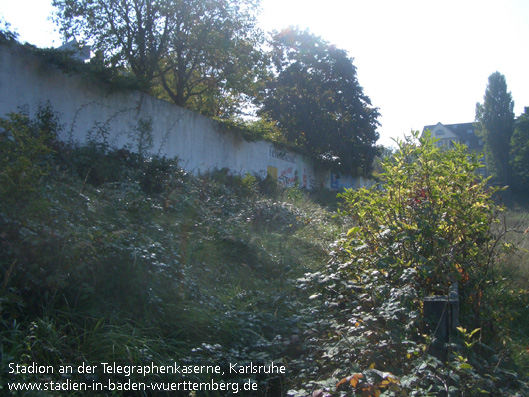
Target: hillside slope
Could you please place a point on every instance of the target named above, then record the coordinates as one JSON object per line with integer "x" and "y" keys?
{"x": 109, "y": 257}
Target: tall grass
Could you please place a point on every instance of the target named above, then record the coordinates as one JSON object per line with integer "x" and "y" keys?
{"x": 513, "y": 297}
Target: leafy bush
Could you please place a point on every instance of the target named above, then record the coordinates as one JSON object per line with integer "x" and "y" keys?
{"x": 430, "y": 224}
{"x": 25, "y": 148}
{"x": 158, "y": 175}
{"x": 432, "y": 214}
{"x": 254, "y": 130}
{"x": 7, "y": 37}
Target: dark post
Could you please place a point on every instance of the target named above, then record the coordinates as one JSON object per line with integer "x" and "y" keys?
{"x": 441, "y": 317}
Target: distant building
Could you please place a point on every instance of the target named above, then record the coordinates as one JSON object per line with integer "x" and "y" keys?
{"x": 463, "y": 133}
{"x": 80, "y": 53}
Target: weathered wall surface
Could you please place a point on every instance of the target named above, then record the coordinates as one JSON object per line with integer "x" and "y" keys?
{"x": 88, "y": 111}
{"x": 339, "y": 182}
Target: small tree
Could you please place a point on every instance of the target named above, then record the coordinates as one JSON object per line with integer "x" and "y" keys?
{"x": 496, "y": 122}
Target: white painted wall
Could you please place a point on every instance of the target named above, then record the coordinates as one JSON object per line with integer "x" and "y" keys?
{"x": 201, "y": 144}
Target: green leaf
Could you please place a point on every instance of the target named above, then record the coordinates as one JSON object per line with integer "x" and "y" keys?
{"x": 353, "y": 230}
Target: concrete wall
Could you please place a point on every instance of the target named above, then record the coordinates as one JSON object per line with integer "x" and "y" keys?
{"x": 89, "y": 111}
{"x": 340, "y": 181}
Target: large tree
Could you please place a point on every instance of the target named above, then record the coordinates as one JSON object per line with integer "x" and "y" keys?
{"x": 495, "y": 119}
{"x": 318, "y": 103}
{"x": 196, "y": 51}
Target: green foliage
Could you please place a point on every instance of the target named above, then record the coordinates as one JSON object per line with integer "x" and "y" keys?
{"x": 432, "y": 213}
{"x": 96, "y": 72}
{"x": 520, "y": 152}
{"x": 318, "y": 103}
{"x": 428, "y": 225}
{"x": 6, "y": 35}
{"x": 199, "y": 54}
{"x": 253, "y": 130}
{"x": 117, "y": 257}
{"x": 131, "y": 260}
{"x": 94, "y": 165}
{"x": 495, "y": 119}
{"x": 25, "y": 149}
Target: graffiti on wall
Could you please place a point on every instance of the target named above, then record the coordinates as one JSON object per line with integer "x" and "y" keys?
{"x": 307, "y": 181}
{"x": 281, "y": 155}
{"x": 288, "y": 177}
{"x": 340, "y": 182}
{"x": 335, "y": 182}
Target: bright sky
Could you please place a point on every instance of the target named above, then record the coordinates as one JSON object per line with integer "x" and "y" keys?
{"x": 420, "y": 61}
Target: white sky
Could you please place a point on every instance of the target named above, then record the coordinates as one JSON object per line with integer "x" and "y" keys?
{"x": 420, "y": 61}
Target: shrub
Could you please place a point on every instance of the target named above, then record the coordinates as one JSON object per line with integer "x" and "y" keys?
{"x": 428, "y": 225}
{"x": 433, "y": 214}
{"x": 96, "y": 164}
{"x": 157, "y": 174}
{"x": 25, "y": 148}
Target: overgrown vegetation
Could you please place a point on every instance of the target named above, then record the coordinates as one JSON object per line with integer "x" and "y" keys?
{"x": 112, "y": 256}
{"x": 253, "y": 130}
{"x": 431, "y": 224}
{"x": 109, "y": 256}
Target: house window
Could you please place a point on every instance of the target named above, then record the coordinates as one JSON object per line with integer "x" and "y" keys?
{"x": 439, "y": 133}
{"x": 470, "y": 131}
